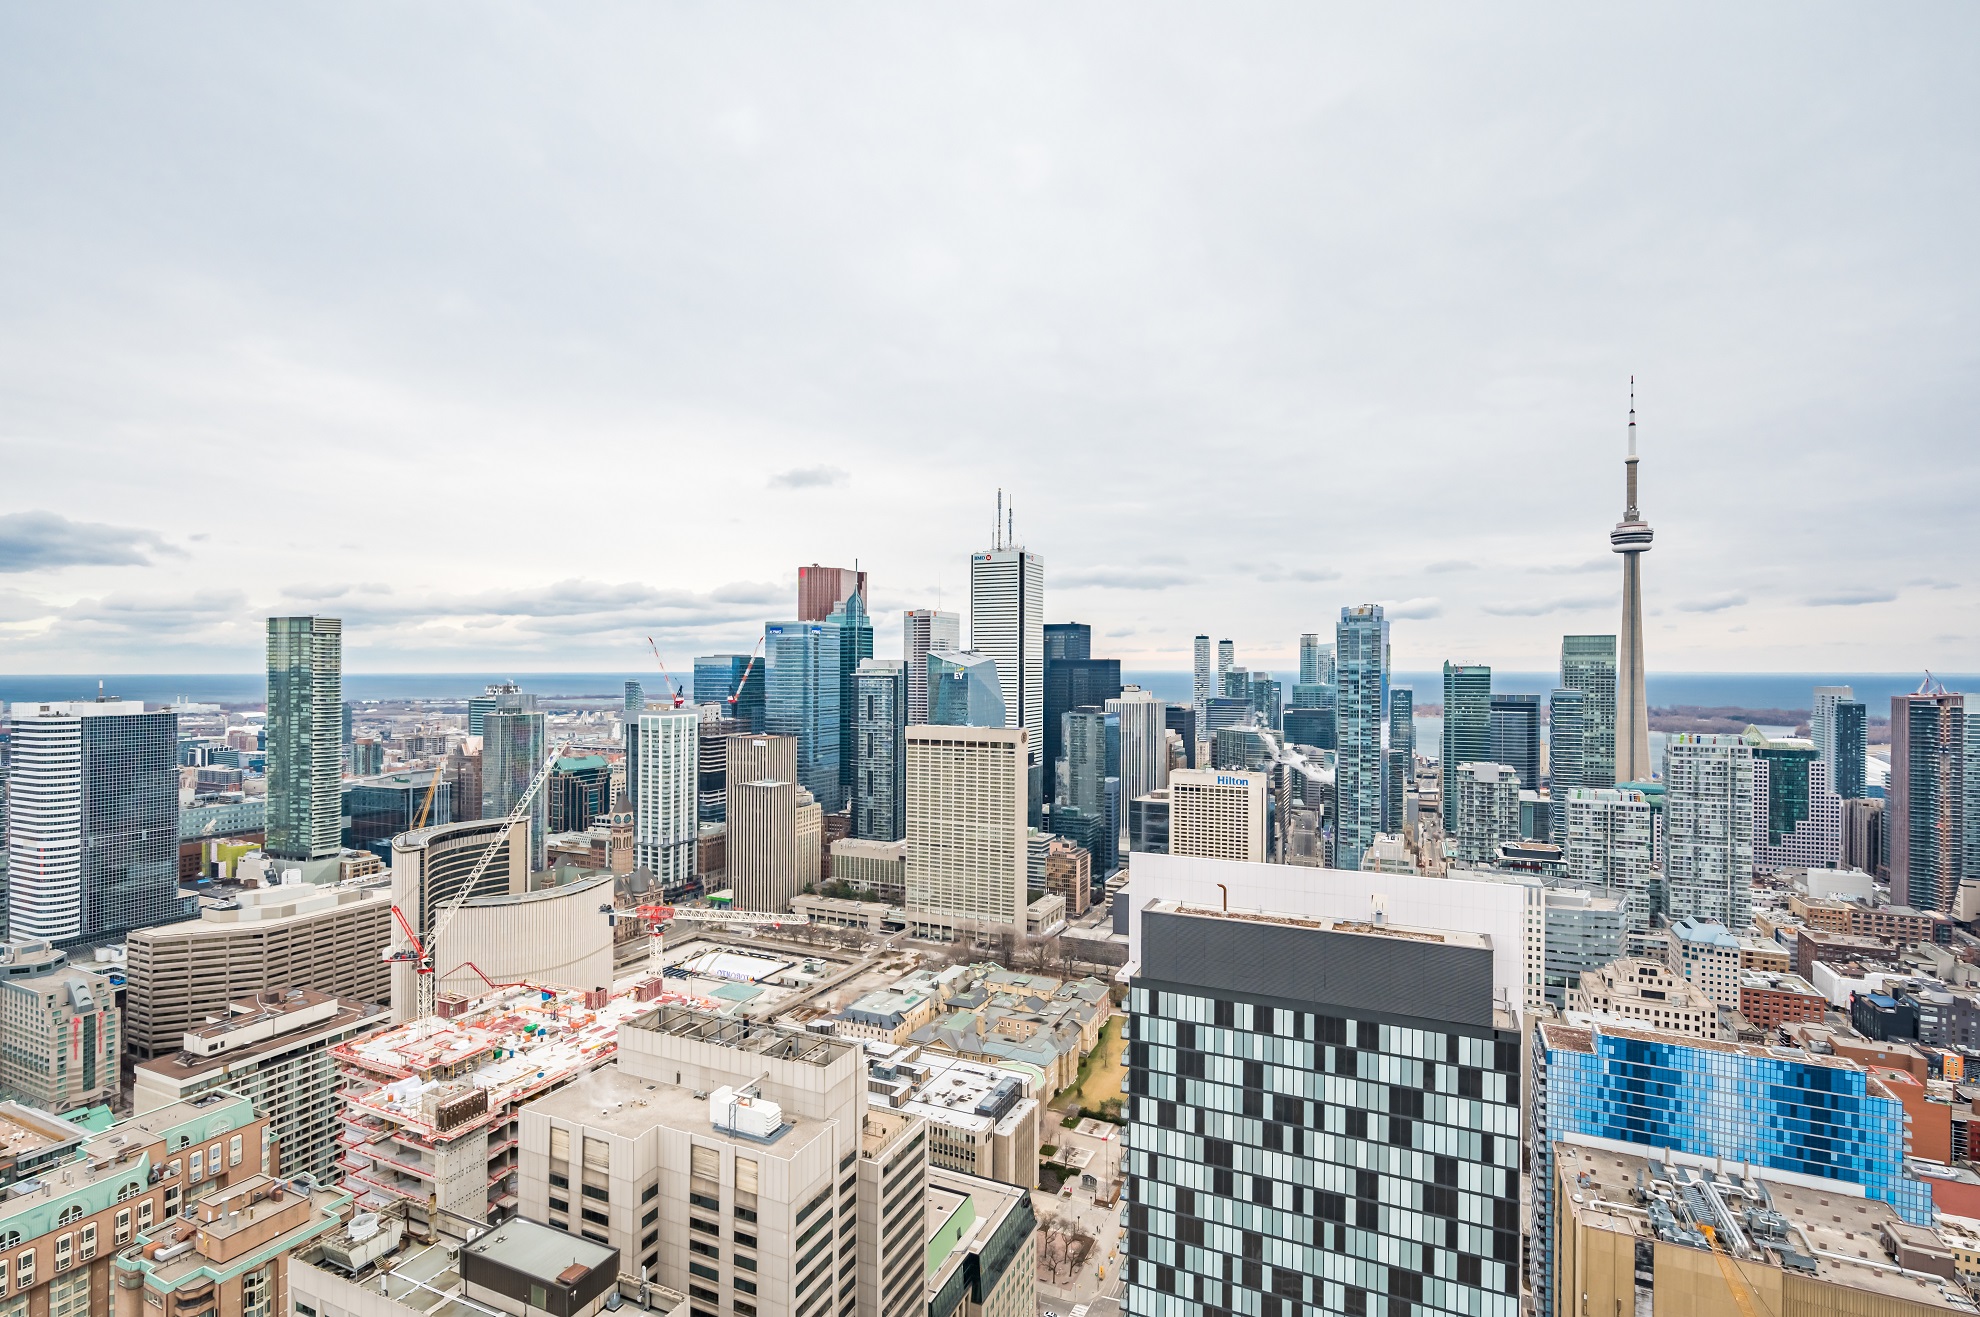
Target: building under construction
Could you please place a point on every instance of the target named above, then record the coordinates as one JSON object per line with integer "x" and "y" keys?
{"x": 429, "y": 1107}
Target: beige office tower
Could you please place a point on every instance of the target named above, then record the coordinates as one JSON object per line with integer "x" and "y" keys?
{"x": 966, "y": 833}
{"x": 762, "y": 842}
{"x": 740, "y": 1164}
{"x": 1217, "y": 814}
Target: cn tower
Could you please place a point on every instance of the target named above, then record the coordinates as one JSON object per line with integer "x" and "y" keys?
{"x": 1631, "y": 538}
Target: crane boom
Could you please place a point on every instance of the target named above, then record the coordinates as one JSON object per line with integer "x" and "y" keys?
{"x": 427, "y": 988}
{"x": 748, "y": 668}
{"x": 672, "y": 685}
{"x": 1742, "y": 1296}
{"x": 426, "y": 805}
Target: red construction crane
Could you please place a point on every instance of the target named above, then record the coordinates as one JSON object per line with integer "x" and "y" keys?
{"x": 679, "y": 698}
{"x": 748, "y": 667}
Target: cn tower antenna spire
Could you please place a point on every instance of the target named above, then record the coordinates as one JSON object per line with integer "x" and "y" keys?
{"x": 1631, "y": 538}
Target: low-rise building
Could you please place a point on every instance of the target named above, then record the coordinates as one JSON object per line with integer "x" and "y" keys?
{"x": 1069, "y": 874}
{"x": 61, "y": 1027}
{"x": 273, "y": 1048}
{"x": 885, "y": 1016}
{"x": 876, "y": 867}
{"x": 1773, "y": 998}
{"x": 1637, "y": 988}
{"x": 1764, "y": 954}
{"x": 982, "y": 1119}
{"x": 1703, "y": 953}
{"x": 233, "y": 1256}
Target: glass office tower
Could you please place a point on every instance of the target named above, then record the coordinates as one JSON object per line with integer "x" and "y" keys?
{"x": 1467, "y": 729}
{"x": 801, "y": 698}
{"x": 304, "y": 747}
{"x": 1516, "y": 737}
{"x": 1361, "y": 648}
{"x": 1400, "y": 757}
{"x": 1588, "y": 665}
{"x": 879, "y": 797}
{"x": 719, "y": 676}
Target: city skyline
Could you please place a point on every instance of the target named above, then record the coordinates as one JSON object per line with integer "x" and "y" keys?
{"x": 1149, "y": 276}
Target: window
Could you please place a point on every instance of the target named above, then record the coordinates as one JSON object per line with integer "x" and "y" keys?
{"x": 73, "y": 1212}
{"x": 559, "y": 1205}
{"x": 65, "y": 1251}
{"x": 596, "y": 1218}
{"x": 746, "y": 1240}
{"x": 213, "y": 1160}
{"x": 87, "y": 1241}
{"x": 234, "y": 1151}
{"x": 24, "y": 1268}
{"x": 597, "y": 1154}
{"x": 559, "y": 1181}
{"x": 197, "y": 1164}
{"x": 746, "y": 1175}
{"x": 124, "y": 1227}
{"x": 560, "y": 1143}
{"x": 707, "y": 1163}
{"x": 594, "y": 1191}
{"x": 172, "y": 1168}
{"x": 70, "y": 1297}
{"x": 538, "y": 1298}
{"x": 128, "y": 1192}
{"x": 648, "y": 1194}
{"x": 144, "y": 1214}
{"x": 3, "y": 1264}
{"x": 745, "y": 1214}
{"x": 652, "y": 1215}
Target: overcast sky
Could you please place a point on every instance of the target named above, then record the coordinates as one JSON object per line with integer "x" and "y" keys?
{"x": 515, "y": 334}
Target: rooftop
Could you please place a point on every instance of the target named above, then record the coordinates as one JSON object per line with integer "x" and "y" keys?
{"x": 258, "y": 1026}
{"x": 775, "y": 1041}
{"x": 619, "y": 1103}
{"x": 1762, "y": 1219}
{"x": 1362, "y": 927}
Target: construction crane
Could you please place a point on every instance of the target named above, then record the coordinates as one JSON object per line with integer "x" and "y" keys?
{"x": 426, "y": 806}
{"x": 1742, "y": 1296}
{"x": 421, "y": 954}
{"x": 657, "y": 915}
{"x": 672, "y": 685}
{"x": 748, "y": 668}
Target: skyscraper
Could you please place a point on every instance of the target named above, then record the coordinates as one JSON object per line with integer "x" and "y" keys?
{"x": 855, "y": 629}
{"x": 1467, "y": 729}
{"x": 1007, "y": 622}
{"x": 1588, "y": 665}
{"x": 1567, "y": 713}
{"x": 1182, "y": 720}
{"x": 720, "y": 677}
{"x": 822, "y": 589}
{"x": 665, "y": 790}
{"x": 963, "y": 690}
{"x": 1631, "y": 538}
{"x": 1316, "y": 660}
{"x": 1260, "y": 1181}
{"x": 513, "y": 747}
{"x": 1309, "y": 719}
{"x": 801, "y": 690}
{"x": 1926, "y": 814}
{"x": 635, "y": 699}
{"x": 879, "y": 801}
{"x": 1201, "y": 677}
{"x": 93, "y": 819}
{"x": 304, "y": 754}
{"x": 1489, "y": 813}
{"x": 1361, "y": 644}
{"x": 1847, "y": 734}
{"x": 1609, "y": 846}
{"x": 1708, "y": 828}
{"x": 1086, "y": 791}
{"x": 1218, "y": 814}
{"x": 1067, "y": 640}
{"x": 1516, "y": 736}
{"x": 1400, "y": 757}
{"x": 966, "y": 831}
{"x": 924, "y": 631}
{"x": 1226, "y": 660}
{"x": 1143, "y": 749}
{"x": 1073, "y": 683}
{"x": 1822, "y": 718}
{"x": 1797, "y": 815}
{"x": 762, "y": 845}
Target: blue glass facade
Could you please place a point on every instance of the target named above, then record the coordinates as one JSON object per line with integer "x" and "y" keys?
{"x": 879, "y": 796}
{"x": 1361, "y": 647}
{"x": 855, "y": 630}
{"x": 718, "y": 676}
{"x": 1809, "y": 1116}
{"x": 1516, "y": 737}
{"x": 1467, "y": 729}
{"x": 801, "y": 698}
{"x": 1399, "y": 765}
{"x": 963, "y": 691}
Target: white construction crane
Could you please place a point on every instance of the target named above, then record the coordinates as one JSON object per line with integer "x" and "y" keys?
{"x": 426, "y": 987}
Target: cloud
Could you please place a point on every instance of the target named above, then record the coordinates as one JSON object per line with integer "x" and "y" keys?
{"x": 1715, "y": 603}
{"x": 1573, "y": 568}
{"x": 1852, "y": 598}
{"x": 1541, "y": 607}
{"x": 1932, "y": 583}
{"x": 1452, "y": 565}
{"x": 153, "y": 615}
{"x": 32, "y": 541}
{"x": 1413, "y": 609}
{"x": 809, "y": 477}
{"x": 1119, "y": 578}
{"x": 1272, "y": 572}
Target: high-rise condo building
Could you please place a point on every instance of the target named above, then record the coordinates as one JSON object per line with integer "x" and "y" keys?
{"x": 1309, "y": 720}
{"x": 93, "y": 819}
{"x": 1266, "y": 698}
{"x": 1610, "y": 846}
{"x": 1400, "y": 758}
{"x": 1087, "y": 808}
{"x": 1261, "y": 1181}
{"x": 1797, "y": 816}
{"x": 1217, "y": 814}
{"x": 479, "y": 705}
{"x": 822, "y": 589}
{"x": 1822, "y": 718}
{"x": 1631, "y": 538}
{"x": 879, "y": 800}
{"x": 963, "y": 690}
{"x": 1142, "y": 753}
{"x": 1226, "y": 660}
{"x": 663, "y": 777}
{"x": 1316, "y": 660}
{"x": 1067, "y": 640}
{"x": 1467, "y": 729}
{"x": 1516, "y": 736}
{"x": 966, "y": 829}
{"x": 762, "y": 847}
{"x": 1566, "y": 720}
{"x": 802, "y": 700}
{"x": 1926, "y": 813}
{"x": 1708, "y": 828}
{"x": 63, "y": 1040}
{"x": 1489, "y": 814}
{"x": 1847, "y": 769}
{"x": 1361, "y": 647}
{"x": 635, "y": 699}
{"x": 1007, "y": 622}
{"x": 923, "y": 632}
{"x": 1072, "y": 684}
{"x": 1201, "y": 677}
{"x": 513, "y": 747}
{"x": 855, "y": 647}
{"x": 304, "y": 754}
{"x": 1588, "y": 665}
